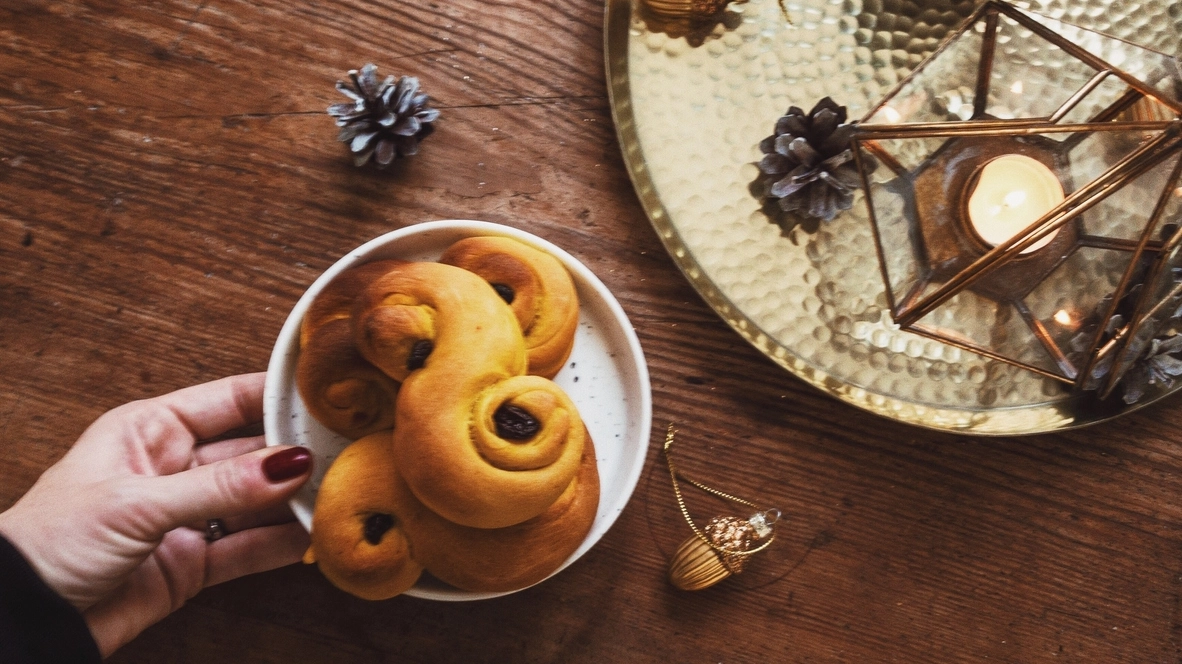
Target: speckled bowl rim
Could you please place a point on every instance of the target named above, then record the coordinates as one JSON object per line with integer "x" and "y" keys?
{"x": 280, "y": 377}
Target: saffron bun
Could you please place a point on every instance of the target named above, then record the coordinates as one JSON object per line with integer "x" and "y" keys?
{"x": 372, "y": 538}
{"x": 536, "y": 286}
{"x": 477, "y": 441}
{"x": 357, "y": 538}
{"x": 342, "y": 390}
{"x": 504, "y": 559}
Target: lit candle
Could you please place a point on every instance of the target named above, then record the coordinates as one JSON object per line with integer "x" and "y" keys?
{"x": 1012, "y": 192}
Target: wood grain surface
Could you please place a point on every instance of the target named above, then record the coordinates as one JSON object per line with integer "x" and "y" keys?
{"x": 170, "y": 184}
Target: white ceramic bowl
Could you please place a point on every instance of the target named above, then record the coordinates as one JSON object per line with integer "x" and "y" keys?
{"x": 606, "y": 377}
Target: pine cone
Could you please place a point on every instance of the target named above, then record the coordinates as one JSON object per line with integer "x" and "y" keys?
{"x": 1158, "y": 366}
{"x": 807, "y": 164}
{"x": 385, "y": 120}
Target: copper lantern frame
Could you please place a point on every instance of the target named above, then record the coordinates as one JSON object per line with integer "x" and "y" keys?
{"x": 1002, "y": 273}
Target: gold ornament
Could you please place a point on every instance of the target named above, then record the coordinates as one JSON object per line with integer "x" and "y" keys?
{"x": 693, "y": 10}
{"x": 724, "y": 546}
{"x": 694, "y": 19}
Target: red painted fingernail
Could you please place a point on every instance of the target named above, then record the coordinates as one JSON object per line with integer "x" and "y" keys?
{"x": 292, "y": 462}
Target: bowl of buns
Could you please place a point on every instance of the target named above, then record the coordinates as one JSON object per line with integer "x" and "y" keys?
{"x": 477, "y": 404}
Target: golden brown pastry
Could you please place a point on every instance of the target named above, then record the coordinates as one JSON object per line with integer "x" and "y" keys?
{"x": 537, "y": 287}
{"x": 340, "y": 388}
{"x": 372, "y": 537}
{"x": 357, "y": 538}
{"x": 504, "y": 559}
{"x": 478, "y": 442}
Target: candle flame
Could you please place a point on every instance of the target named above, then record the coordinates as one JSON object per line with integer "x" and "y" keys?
{"x": 1062, "y": 317}
{"x": 891, "y": 115}
{"x": 1016, "y": 88}
{"x": 1012, "y": 192}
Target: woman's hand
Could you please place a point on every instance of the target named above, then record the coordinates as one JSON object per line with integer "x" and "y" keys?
{"x": 117, "y": 527}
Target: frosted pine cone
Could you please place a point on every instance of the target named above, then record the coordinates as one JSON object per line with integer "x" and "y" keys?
{"x": 807, "y": 165}
{"x": 385, "y": 120}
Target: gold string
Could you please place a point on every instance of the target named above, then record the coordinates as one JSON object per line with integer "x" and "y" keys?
{"x": 674, "y": 475}
{"x": 784, "y": 11}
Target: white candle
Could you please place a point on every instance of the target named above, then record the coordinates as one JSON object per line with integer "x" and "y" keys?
{"x": 1012, "y": 192}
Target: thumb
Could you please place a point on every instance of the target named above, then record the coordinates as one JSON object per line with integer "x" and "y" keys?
{"x": 238, "y": 485}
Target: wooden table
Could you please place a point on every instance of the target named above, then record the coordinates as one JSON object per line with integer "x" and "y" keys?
{"x": 170, "y": 184}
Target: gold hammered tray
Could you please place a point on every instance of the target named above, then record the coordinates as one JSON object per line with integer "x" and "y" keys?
{"x": 691, "y": 104}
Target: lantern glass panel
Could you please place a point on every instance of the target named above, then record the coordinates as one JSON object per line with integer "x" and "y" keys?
{"x": 901, "y": 254}
{"x": 982, "y": 324}
{"x": 1125, "y": 214}
{"x": 1157, "y": 70}
{"x": 1032, "y": 77}
{"x": 1105, "y": 94}
{"x": 1073, "y": 292}
{"x": 940, "y": 90}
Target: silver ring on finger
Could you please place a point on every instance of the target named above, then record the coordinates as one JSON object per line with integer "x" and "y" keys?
{"x": 215, "y": 529}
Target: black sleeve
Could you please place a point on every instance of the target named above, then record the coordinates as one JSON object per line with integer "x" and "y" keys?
{"x": 38, "y": 626}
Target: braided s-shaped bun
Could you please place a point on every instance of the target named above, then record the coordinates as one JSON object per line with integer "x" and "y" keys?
{"x": 478, "y": 442}
{"x": 537, "y": 287}
{"x": 339, "y": 387}
{"x": 357, "y": 538}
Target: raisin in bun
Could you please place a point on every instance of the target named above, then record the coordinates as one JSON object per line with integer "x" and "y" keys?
{"x": 504, "y": 559}
{"x": 357, "y": 539}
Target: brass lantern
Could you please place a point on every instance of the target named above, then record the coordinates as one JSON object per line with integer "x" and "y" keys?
{"x": 1028, "y": 199}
